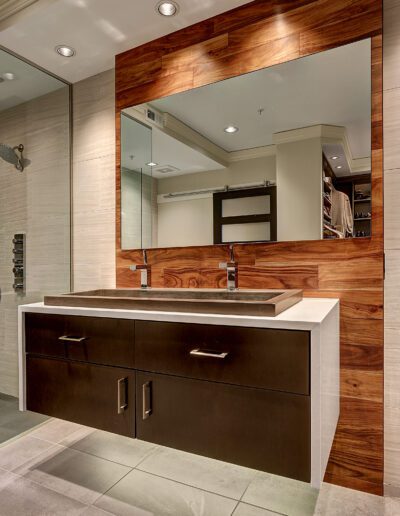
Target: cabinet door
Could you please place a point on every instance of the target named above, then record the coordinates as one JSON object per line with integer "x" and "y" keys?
{"x": 258, "y": 428}
{"x": 97, "y": 396}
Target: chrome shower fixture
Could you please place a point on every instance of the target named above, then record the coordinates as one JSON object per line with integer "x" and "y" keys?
{"x": 14, "y": 155}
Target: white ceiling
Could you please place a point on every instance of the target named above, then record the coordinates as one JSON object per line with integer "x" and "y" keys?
{"x": 97, "y": 29}
{"x": 141, "y": 145}
{"x": 329, "y": 88}
{"x": 29, "y": 82}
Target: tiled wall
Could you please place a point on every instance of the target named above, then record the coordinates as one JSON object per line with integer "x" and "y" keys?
{"x": 94, "y": 182}
{"x": 37, "y": 203}
{"x": 391, "y": 100}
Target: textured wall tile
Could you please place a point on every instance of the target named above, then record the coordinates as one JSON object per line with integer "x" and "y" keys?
{"x": 35, "y": 202}
{"x": 94, "y": 183}
{"x": 391, "y": 45}
{"x": 391, "y": 128}
{"x": 392, "y": 446}
{"x": 392, "y": 211}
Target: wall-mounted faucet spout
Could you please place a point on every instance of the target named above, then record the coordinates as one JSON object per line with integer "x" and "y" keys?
{"x": 231, "y": 268}
{"x": 145, "y": 271}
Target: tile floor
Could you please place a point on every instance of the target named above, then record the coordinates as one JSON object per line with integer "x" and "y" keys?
{"x": 13, "y": 422}
{"x": 61, "y": 468}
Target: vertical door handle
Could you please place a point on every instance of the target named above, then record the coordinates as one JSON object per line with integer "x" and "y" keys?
{"x": 122, "y": 385}
{"x": 146, "y": 400}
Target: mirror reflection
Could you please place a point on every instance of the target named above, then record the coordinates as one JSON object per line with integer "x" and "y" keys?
{"x": 280, "y": 154}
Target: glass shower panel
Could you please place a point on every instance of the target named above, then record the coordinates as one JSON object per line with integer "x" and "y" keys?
{"x": 35, "y": 202}
{"x": 138, "y": 201}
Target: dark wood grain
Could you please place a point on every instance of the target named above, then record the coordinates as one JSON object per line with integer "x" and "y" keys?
{"x": 260, "y": 34}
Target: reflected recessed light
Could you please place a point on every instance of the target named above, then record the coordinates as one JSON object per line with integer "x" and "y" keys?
{"x": 65, "y": 51}
{"x": 151, "y": 164}
{"x": 335, "y": 157}
{"x": 339, "y": 166}
{"x": 231, "y": 129}
{"x": 8, "y": 76}
{"x": 167, "y": 8}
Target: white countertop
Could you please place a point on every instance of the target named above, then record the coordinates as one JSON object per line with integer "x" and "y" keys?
{"x": 305, "y": 315}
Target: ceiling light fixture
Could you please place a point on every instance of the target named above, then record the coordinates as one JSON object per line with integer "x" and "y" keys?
{"x": 339, "y": 167}
{"x": 151, "y": 164}
{"x": 8, "y": 76}
{"x": 335, "y": 157}
{"x": 65, "y": 51}
{"x": 167, "y": 8}
{"x": 231, "y": 129}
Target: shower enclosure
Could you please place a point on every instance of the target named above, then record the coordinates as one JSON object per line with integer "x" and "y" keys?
{"x": 34, "y": 199}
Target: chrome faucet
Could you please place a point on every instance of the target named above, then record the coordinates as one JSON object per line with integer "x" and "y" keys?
{"x": 231, "y": 270}
{"x": 145, "y": 271}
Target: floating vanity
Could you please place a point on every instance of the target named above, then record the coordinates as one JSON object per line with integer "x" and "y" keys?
{"x": 258, "y": 391}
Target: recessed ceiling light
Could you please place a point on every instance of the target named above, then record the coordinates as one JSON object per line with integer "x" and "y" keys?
{"x": 335, "y": 157}
{"x": 65, "y": 51}
{"x": 231, "y": 129}
{"x": 167, "y": 8}
{"x": 151, "y": 164}
{"x": 8, "y": 76}
{"x": 339, "y": 166}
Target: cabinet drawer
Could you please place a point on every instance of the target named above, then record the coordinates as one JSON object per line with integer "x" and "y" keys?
{"x": 90, "y": 339}
{"x": 265, "y": 358}
{"x": 97, "y": 396}
{"x": 261, "y": 429}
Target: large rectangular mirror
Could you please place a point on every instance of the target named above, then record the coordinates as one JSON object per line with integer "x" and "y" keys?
{"x": 280, "y": 154}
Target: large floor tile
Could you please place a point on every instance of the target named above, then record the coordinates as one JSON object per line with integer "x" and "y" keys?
{"x": 13, "y": 422}
{"x": 208, "y": 474}
{"x": 78, "y": 475}
{"x": 56, "y": 430}
{"x": 142, "y": 494}
{"x": 243, "y": 509}
{"x": 392, "y": 506}
{"x": 20, "y": 497}
{"x": 20, "y": 451}
{"x": 116, "y": 448}
{"x": 339, "y": 501}
{"x": 282, "y": 495}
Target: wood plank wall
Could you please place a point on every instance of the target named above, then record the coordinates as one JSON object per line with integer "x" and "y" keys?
{"x": 257, "y": 35}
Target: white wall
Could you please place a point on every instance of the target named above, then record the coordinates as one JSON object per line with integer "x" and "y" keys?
{"x": 299, "y": 190}
{"x": 190, "y": 222}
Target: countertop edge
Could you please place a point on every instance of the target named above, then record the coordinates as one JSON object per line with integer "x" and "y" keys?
{"x": 305, "y": 315}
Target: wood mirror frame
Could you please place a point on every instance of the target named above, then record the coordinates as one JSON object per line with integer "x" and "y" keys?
{"x": 257, "y": 35}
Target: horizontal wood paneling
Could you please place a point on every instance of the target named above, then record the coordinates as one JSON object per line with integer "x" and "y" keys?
{"x": 260, "y": 34}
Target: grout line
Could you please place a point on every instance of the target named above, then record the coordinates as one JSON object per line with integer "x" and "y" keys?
{"x": 187, "y": 485}
{"x": 234, "y": 509}
{"x": 118, "y": 481}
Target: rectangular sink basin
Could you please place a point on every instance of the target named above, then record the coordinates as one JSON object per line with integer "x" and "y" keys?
{"x": 267, "y": 303}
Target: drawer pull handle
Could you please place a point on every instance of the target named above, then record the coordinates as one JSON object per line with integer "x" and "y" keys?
{"x": 208, "y": 353}
{"x": 122, "y": 395}
{"x": 69, "y": 338}
{"x": 146, "y": 400}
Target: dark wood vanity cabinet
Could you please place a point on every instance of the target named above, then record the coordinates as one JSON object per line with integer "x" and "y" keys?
{"x": 98, "y": 396}
{"x": 241, "y": 395}
{"x": 254, "y": 357}
{"x": 81, "y": 369}
{"x": 258, "y": 428}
